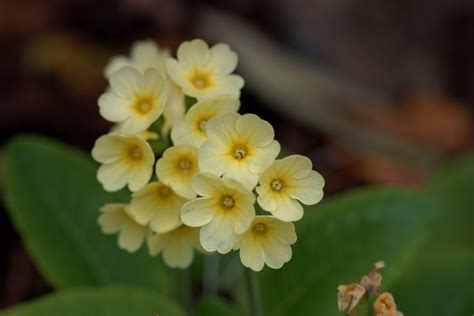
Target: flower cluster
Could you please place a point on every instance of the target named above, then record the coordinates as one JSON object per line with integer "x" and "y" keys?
{"x": 201, "y": 175}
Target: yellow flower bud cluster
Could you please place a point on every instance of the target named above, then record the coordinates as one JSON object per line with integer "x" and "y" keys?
{"x": 201, "y": 192}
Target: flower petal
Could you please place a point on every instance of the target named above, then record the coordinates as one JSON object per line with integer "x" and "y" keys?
{"x": 251, "y": 254}
{"x": 308, "y": 190}
{"x": 219, "y": 234}
{"x": 198, "y": 212}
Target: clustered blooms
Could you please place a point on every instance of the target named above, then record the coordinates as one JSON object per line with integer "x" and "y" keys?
{"x": 201, "y": 175}
{"x": 353, "y": 296}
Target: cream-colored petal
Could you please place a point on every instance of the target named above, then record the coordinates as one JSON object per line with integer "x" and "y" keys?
{"x": 108, "y": 148}
{"x": 113, "y": 177}
{"x": 254, "y": 130}
{"x": 288, "y": 209}
{"x": 154, "y": 81}
{"x": 183, "y": 133}
{"x": 143, "y": 206}
{"x": 112, "y": 222}
{"x": 140, "y": 177}
{"x": 223, "y": 127}
{"x": 156, "y": 243}
{"x": 251, "y": 254}
{"x": 212, "y": 157}
{"x": 231, "y": 85}
{"x": 166, "y": 220}
{"x": 178, "y": 253}
{"x": 206, "y": 184}
{"x": 276, "y": 254}
{"x": 263, "y": 157}
{"x": 219, "y": 234}
{"x": 199, "y": 212}
{"x": 223, "y": 59}
{"x": 148, "y": 54}
{"x": 295, "y": 166}
{"x": 176, "y": 72}
{"x": 284, "y": 232}
{"x": 131, "y": 237}
{"x": 267, "y": 201}
{"x": 115, "y": 64}
{"x": 195, "y": 52}
{"x": 134, "y": 124}
{"x": 240, "y": 172}
{"x": 125, "y": 82}
{"x": 308, "y": 190}
{"x": 114, "y": 108}
{"x": 243, "y": 217}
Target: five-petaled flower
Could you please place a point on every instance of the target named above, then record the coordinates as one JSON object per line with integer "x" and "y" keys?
{"x": 239, "y": 147}
{"x": 204, "y": 72}
{"x": 224, "y": 210}
{"x": 267, "y": 241}
{"x": 126, "y": 159}
{"x": 286, "y": 182}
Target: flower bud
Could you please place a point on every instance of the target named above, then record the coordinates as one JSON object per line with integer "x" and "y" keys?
{"x": 385, "y": 305}
{"x": 373, "y": 279}
{"x": 349, "y": 296}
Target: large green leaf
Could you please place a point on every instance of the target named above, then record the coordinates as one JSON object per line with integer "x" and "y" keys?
{"x": 111, "y": 301}
{"x": 440, "y": 280}
{"x": 53, "y": 198}
{"x": 453, "y": 187}
{"x": 337, "y": 244}
{"x": 440, "y": 284}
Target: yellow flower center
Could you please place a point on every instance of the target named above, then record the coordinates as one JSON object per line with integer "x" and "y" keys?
{"x": 228, "y": 202}
{"x": 135, "y": 152}
{"x": 143, "y": 104}
{"x": 200, "y": 79}
{"x": 239, "y": 152}
{"x": 185, "y": 164}
{"x": 164, "y": 191}
{"x": 276, "y": 185}
{"x": 259, "y": 228}
{"x": 202, "y": 125}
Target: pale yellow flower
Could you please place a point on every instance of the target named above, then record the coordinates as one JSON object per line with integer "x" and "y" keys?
{"x": 126, "y": 159}
{"x": 177, "y": 246}
{"x": 192, "y": 129}
{"x": 204, "y": 72}
{"x": 176, "y": 168}
{"x": 224, "y": 210}
{"x": 286, "y": 182}
{"x": 116, "y": 218}
{"x": 157, "y": 205}
{"x": 267, "y": 241}
{"x": 134, "y": 100}
{"x": 143, "y": 55}
{"x": 238, "y": 147}
{"x": 385, "y": 305}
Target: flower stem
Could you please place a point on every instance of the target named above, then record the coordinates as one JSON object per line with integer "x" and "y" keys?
{"x": 254, "y": 293}
{"x": 184, "y": 288}
{"x": 211, "y": 275}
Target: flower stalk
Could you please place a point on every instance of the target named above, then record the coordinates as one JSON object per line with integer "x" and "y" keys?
{"x": 253, "y": 291}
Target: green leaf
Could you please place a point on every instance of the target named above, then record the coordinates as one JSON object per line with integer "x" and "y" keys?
{"x": 440, "y": 280}
{"x": 439, "y": 283}
{"x": 53, "y": 198}
{"x": 453, "y": 187}
{"x": 337, "y": 244}
{"x": 215, "y": 307}
{"x": 111, "y": 301}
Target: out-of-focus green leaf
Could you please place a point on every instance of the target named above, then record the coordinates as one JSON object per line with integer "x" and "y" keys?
{"x": 111, "y": 301}
{"x": 453, "y": 187}
{"x": 337, "y": 244}
{"x": 53, "y": 199}
{"x": 440, "y": 280}
{"x": 215, "y": 307}
{"x": 440, "y": 284}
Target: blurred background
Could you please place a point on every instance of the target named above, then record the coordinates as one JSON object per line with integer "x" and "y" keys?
{"x": 374, "y": 92}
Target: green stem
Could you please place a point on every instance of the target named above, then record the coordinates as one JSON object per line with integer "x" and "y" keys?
{"x": 211, "y": 275}
{"x": 254, "y": 293}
